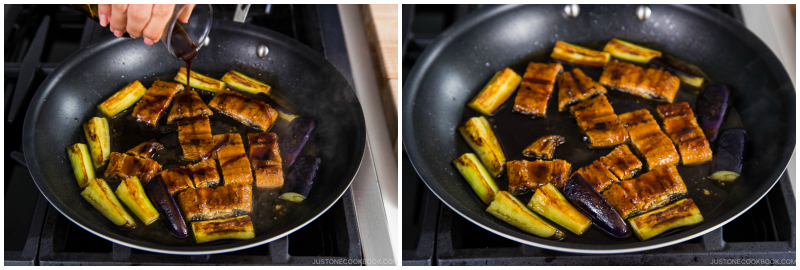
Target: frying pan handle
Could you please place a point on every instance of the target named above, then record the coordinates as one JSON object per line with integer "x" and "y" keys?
{"x": 19, "y": 157}
{"x": 241, "y": 13}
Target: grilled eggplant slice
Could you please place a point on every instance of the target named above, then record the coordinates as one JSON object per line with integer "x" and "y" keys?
{"x": 282, "y": 112}
{"x": 589, "y": 201}
{"x": 122, "y": 99}
{"x": 496, "y": 92}
{"x": 511, "y": 210}
{"x": 99, "y": 195}
{"x": 200, "y": 81}
{"x": 241, "y": 81}
{"x": 685, "y": 76}
{"x": 295, "y": 138}
{"x": 230, "y": 228}
{"x": 131, "y": 193}
{"x": 548, "y": 202}
{"x": 146, "y": 149}
{"x": 98, "y": 135}
{"x": 168, "y": 210}
{"x": 678, "y": 214}
{"x": 480, "y": 137}
{"x": 81, "y": 163}
{"x": 629, "y": 51}
{"x": 579, "y": 55}
{"x": 476, "y": 175}
{"x": 712, "y": 104}
{"x": 300, "y": 179}
{"x": 543, "y": 147}
{"x": 727, "y": 164}
{"x": 681, "y": 126}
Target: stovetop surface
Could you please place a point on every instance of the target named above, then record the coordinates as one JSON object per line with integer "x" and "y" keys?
{"x": 435, "y": 235}
{"x": 37, "y": 38}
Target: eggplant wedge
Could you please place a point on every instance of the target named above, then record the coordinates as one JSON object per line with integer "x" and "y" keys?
{"x": 300, "y": 179}
{"x": 200, "y": 81}
{"x": 476, "y": 175}
{"x": 678, "y": 214}
{"x": 99, "y": 195}
{"x": 122, "y": 99}
{"x": 480, "y": 137}
{"x": 131, "y": 193}
{"x": 579, "y": 55}
{"x": 295, "y": 138}
{"x": 168, "y": 210}
{"x": 581, "y": 194}
{"x": 514, "y": 212}
{"x": 496, "y": 92}
{"x": 712, "y": 104}
{"x": 230, "y": 228}
{"x": 727, "y": 163}
{"x": 81, "y": 164}
{"x": 247, "y": 84}
{"x": 98, "y": 135}
{"x": 629, "y": 51}
{"x": 548, "y": 202}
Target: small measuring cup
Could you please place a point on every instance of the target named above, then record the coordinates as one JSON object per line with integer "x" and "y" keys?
{"x": 184, "y": 40}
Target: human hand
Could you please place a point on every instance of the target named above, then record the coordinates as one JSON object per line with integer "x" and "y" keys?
{"x": 148, "y": 21}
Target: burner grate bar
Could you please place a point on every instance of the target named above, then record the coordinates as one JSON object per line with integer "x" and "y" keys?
{"x": 28, "y": 69}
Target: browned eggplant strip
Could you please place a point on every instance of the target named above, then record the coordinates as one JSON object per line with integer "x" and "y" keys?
{"x": 146, "y": 149}
{"x": 155, "y": 101}
{"x": 648, "y": 83}
{"x": 122, "y": 166}
{"x": 249, "y": 111}
{"x": 195, "y": 138}
{"x": 681, "y": 126}
{"x": 187, "y": 104}
{"x": 574, "y": 86}
{"x": 649, "y": 191}
{"x": 266, "y": 159}
{"x": 536, "y": 87}
{"x": 597, "y": 120}
{"x": 233, "y": 161}
{"x": 648, "y": 139}
{"x": 214, "y": 203}
{"x": 525, "y": 176}
{"x": 543, "y": 147}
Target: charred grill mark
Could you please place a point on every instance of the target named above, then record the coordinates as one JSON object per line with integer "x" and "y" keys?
{"x": 191, "y": 120}
{"x": 533, "y": 80}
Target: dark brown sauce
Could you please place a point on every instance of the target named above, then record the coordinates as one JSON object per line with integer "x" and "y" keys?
{"x": 225, "y": 141}
{"x": 232, "y": 160}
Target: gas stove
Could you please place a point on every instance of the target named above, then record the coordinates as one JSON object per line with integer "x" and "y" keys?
{"x": 435, "y": 235}
{"x": 39, "y": 37}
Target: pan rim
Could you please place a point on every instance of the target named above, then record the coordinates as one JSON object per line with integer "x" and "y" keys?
{"x": 444, "y": 39}
{"x": 48, "y": 85}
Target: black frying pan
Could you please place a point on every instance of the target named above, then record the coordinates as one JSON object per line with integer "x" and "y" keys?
{"x": 311, "y": 85}
{"x": 465, "y": 56}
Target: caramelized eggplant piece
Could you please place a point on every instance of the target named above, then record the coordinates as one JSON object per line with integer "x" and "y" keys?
{"x": 300, "y": 179}
{"x": 200, "y": 81}
{"x": 241, "y": 81}
{"x": 579, "y": 55}
{"x": 122, "y": 99}
{"x": 476, "y": 175}
{"x": 168, "y": 210}
{"x": 230, "y": 228}
{"x": 131, "y": 193}
{"x": 81, "y": 163}
{"x": 548, "y": 202}
{"x": 727, "y": 165}
{"x": 295, "y": 138}
{"x": 496, "y": 91}
{"x": 99, "y": 195}
{"x": 512, "y": 211}
{"x": 282, "y": 112}
{"x": 543, "y": 147}
{"x": 480, "y": 137}
{"x": 712, "y": 104}
{"x": 679, "y": 214}
{"x": 629, "y": 51}
{"x": 98, "y": 135}
{"x": 685, "y": 76}
{"x": 586, "y": 199}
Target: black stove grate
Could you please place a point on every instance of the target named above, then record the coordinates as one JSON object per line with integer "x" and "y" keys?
{"x": 37, "y": 39}
{"x": 765, "y": 234}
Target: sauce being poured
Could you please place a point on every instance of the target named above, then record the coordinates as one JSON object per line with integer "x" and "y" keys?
{"x": 184, "y": 48}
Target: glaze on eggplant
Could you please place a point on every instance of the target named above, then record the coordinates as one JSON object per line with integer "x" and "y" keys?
{"x": 712, "y": 104}
{"x": 685, "y": 76}
{"x": 295, "y": 138}
{"x": 159, "y": 195}
{"x": 581, "y": 194}
{"x": 300, "y": 178}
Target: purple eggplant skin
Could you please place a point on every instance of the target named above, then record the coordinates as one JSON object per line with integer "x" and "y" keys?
{"x": 171, "y": 217}
{"x": 295, "y": 138}
{"x": 584, "y": 197}
{"x": 282, "y": 112}
{"x": 300, "y": 178}
{"x": 727, "y": 163}
{"x": 712, "y": 104}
